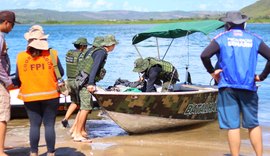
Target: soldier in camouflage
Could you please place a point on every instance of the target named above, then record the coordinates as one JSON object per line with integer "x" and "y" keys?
{"x": 71, "y": 69}
{"x": 157, "y": 72}
{"x": 91, "y": 70}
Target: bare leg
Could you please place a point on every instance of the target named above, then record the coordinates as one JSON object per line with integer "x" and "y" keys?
{"x": 72, "y": 107}
{"x": 73, "y": 130}
{"x": 80, "y": 124}
{"x": 3, "y": 128}
{"x": 83, "y": 132}
{"x": 234, "y": 141}
{"x": 75, "y": 122}
{"x": 255, "y": 135}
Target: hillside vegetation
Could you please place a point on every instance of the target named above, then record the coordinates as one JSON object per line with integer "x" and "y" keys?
{"x": 258, "y": 12}
{"x": 260, "y": 9}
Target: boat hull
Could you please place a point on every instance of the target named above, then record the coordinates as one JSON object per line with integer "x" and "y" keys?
{"x": 18, "y": 109}
{"x": 143, "y": 123}
{"x": 131, "y": 111}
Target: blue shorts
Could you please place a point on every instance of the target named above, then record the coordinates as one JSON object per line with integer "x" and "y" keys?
{"x": 231, "y": 103}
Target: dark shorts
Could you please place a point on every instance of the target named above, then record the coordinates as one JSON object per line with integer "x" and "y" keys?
{"x": 231, "y": 103}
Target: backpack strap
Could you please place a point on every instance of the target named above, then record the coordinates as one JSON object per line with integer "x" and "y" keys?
{"x": 55, "y": 66}
{"x": 91, "y": 51}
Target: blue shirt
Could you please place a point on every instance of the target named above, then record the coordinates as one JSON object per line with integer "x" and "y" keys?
{"x": 238, "y": 59}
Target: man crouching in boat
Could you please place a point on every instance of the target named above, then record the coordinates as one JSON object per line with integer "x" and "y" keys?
{"x": 157, "y": 72}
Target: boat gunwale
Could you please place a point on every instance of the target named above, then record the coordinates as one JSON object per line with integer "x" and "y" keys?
{"x": 212, "y": 90}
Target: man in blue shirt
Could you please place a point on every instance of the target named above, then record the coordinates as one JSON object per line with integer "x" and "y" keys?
{"x": 238, "y": 52}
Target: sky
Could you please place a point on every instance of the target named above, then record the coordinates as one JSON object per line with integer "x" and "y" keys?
{"x": 135, "y": 5}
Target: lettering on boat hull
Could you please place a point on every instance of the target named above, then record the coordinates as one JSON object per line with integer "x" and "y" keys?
{"x": 201, "y": 108}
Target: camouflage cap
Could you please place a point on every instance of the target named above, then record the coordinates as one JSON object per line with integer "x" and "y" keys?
{"x": 140, "y": 65}
{"x": 110, "y": 40}
{"x": 81, "y": 41}
{"x": 98, "y": 41}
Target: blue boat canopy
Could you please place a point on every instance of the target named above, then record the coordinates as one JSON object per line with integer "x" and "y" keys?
{"x": 179, "y": 29}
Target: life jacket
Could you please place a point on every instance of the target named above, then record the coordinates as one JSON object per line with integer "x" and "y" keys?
{"x": 72, "y": 59}
{"x": 168, "y": 72}
{"x": 86, "y": 61}
{"x": 37, "y": 76}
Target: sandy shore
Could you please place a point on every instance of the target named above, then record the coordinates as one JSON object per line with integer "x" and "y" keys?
{"x": 110, "y": 140}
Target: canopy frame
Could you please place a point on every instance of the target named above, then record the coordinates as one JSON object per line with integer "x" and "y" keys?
{"x": 177, "y": 30}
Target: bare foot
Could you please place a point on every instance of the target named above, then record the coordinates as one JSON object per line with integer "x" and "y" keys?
{"x": 84, "y": 134}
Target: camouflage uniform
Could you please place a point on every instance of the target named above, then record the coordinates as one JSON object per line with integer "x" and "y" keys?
{"x": 156, "y": 71}
{"x": 84, "y": 68}
{"x": 72, "y": 59}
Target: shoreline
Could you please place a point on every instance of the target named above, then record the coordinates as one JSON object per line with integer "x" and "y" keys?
{"x": 109, "y": 139}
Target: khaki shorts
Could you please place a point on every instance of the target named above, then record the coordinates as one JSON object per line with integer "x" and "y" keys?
{"x": 85, "y": 99}
{"x": 4, "y": 104}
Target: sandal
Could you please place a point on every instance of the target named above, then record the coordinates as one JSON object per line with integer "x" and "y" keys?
{"x": 83, "y": 140}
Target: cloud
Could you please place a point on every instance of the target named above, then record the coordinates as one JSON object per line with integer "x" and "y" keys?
{"x": 203, "y": 7}
{"x": 78, "y": 4}
{"x": 102, "y": 5}
{"x": 127, "y": 6}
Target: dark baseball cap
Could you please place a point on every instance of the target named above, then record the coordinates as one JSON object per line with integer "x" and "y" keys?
{"x": 8, "y": 16}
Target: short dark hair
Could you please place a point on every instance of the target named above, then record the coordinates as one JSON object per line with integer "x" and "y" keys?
{"x": 77, "y": 46}
{"x": 230, "y": 25}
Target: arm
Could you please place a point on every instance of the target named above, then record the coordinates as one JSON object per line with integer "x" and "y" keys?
{"x": 153, "y": 74}
{"x": 16, "y": 80}
{"x": 208, "y": 52}
{"x": 4, "y": 77}
{"x": 264, "y": 50}
{"x": 98, "y": 57}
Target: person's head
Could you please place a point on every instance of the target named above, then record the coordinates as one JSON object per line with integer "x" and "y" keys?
{"x": 140, "y": 65}
{"x": 7, "y": 21}
{"x": 81, "y": 43}
{"x": 110, "y": 42}
{"x": 98, "y": 42}
{"x": 234, "y": 19}
{"x": 37, "y": 40}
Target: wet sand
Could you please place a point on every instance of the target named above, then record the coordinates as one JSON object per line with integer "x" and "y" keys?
{"x": 110, "y": 140}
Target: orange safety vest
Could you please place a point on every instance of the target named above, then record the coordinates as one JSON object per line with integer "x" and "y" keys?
{"x": 37, "y": 76}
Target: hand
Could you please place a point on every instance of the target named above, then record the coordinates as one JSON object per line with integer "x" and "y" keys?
{"x": 257, "y": 78}
{"x": 10, "y": 87}
{"x": 61, "y": 84}
{"x": 141, "y": 79}
{"x": 216, "y": 74}
{"x": 91, "y": 88}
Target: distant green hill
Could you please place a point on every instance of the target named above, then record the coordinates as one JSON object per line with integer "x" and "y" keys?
{"x": 53, "y": 16}
{"x": 259, "y": 13}
{"x": 260, "y": 9}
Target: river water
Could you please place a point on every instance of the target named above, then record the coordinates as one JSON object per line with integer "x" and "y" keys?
{"x": 204, "y": 139}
